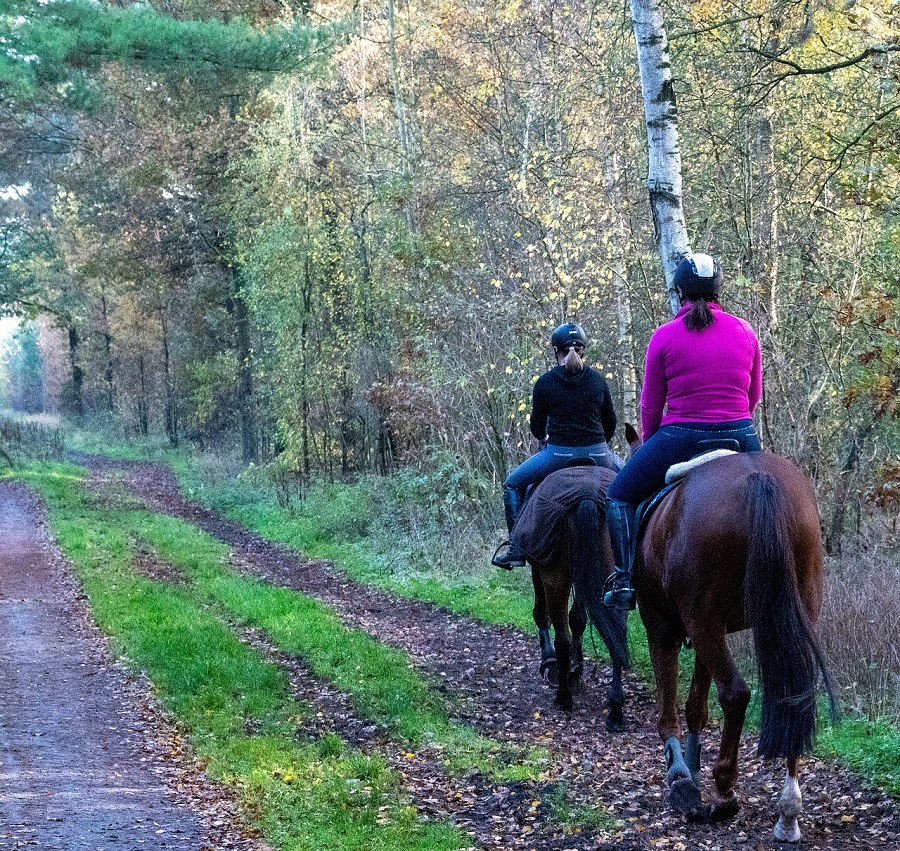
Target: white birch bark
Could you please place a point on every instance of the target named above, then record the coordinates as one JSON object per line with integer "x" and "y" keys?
{"x": 664, "y": 154}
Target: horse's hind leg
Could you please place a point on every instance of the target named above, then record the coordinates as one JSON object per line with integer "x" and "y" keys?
{"x": 696, "y": 715}
{"x": 577, "y": 624}
{"x": 557, "y": 589}
{"x": 542, "y": 621}
{"x": 615, "y": 698}
{"x": 790, "y": 805}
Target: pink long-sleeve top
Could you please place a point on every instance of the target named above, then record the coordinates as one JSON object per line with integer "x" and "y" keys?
{"x": 708, "y": 376}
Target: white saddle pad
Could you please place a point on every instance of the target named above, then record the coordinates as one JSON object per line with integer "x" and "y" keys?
{"x": 679, "y": 471}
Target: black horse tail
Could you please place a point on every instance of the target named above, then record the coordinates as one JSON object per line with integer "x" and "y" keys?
{"x": 589, "y": 570}
{"x": 788, "y": 656}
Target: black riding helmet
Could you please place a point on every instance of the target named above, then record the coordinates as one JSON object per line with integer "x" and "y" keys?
{"x": 697, "y": 275}
{"x": 568, "y": 335}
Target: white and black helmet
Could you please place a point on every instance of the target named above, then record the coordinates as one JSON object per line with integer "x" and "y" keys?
{"x": 698, "y": 274}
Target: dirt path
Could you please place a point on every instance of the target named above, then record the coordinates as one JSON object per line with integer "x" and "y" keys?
{"x": 85, "y": 761}
{"x": 488, "y": 677}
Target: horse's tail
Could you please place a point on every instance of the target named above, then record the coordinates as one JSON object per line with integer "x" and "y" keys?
{"x": 788, "y": 656}
{"x": 589, "y": 570}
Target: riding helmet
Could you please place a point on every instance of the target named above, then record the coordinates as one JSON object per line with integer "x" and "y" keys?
{"x": 568, "y": 335}
{"x": 698, "y": 274}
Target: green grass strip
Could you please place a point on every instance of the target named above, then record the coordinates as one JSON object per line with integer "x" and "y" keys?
{"x": 303, "y": 796}
{"x": 380, "y": 679}
{"x": 500, "y": 597}
{"x": 870, "y": 748}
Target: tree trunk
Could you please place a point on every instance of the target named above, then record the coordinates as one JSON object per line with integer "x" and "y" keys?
{"x": 107, "y": 355}
{"x": 835, "y": 537}
{"x": 625, "y": 339}
{"x": 403, "y": 130}
{"x": 77, "y": 400}
{"x": 143, "y": 408}
{"x": 171, "y": 411}
{"x": 664, "y": 154}
{"x": 246, "y": 399}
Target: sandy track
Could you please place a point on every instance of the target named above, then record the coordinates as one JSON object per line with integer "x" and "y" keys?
{"x": 86, "y": 760}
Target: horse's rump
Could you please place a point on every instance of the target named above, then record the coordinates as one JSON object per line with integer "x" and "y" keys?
{"x": 739, "y": 545}
{"x": 541, "y": 524}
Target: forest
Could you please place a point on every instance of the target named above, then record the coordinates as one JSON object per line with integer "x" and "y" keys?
{"x": 309, "y": 256}
{"x": 337, "y": 236}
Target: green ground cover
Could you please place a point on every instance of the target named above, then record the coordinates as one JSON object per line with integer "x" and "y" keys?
{"x": 383, "y": 686}
{"x": 336, "y": 522}
{"x": 341, "y": 523}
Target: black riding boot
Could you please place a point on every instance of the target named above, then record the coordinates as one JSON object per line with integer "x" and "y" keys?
{"x": 512, "y": 503}
{"x": 620, "y": 519}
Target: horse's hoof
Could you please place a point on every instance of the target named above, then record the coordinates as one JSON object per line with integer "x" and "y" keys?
{"x": 684, "y": 797}
{"x": 615, "y": 721}
{"x": 787, "y": 833}
{"x": 576, "y": 671}
{"x": 550, "y": 672}
{"x": 565, "y": 703}
{"x": 724, "y": 810}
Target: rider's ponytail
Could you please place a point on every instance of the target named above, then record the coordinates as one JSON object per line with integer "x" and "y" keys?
{"x": 699, "y": 316}
{"x": 573, "y": 362}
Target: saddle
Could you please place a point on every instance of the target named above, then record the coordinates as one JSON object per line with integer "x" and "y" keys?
{"x": 709, "y": 451}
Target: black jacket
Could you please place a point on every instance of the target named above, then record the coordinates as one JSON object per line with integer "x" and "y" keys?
{"x": 572, "y": 410}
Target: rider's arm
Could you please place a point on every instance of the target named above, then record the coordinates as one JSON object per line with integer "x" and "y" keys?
{"x": 539, "y": 413}
{"x": 608, "y": 414}
{"x": 655, "y": 389}
{"x": 755, "y": 392}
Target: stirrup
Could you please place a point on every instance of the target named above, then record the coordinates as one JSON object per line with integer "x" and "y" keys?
{"x": 617, "y": 596}
{"x": 508, "y": 560}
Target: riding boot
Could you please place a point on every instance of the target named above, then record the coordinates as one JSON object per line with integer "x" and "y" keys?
{"x": 512, "y": 503}
{"x": 620, "y": 519}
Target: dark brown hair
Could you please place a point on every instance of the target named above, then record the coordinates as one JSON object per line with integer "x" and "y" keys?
{"x": 700, "y": 316}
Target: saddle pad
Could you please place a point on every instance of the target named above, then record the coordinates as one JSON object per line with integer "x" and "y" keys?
{"x": 679, "y": 471}
{"x": 540, "y": 525}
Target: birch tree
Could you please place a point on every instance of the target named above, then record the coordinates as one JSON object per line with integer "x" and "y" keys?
{"x": 664, "y": 153}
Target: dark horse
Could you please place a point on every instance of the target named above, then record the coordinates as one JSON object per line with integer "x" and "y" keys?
{"x": 736, "y": 545}
{"x": 580, "y": 561}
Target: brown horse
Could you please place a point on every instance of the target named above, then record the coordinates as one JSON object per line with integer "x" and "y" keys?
{"x": 736, "y": 545}
{"x": 580, "y": 562}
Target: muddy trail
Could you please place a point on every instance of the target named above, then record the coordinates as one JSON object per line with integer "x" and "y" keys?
{"x": 488, "y": 678}
{"x": 87, "y": 759}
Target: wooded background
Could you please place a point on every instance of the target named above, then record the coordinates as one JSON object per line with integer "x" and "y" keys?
{"x": 338, "y": 235}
